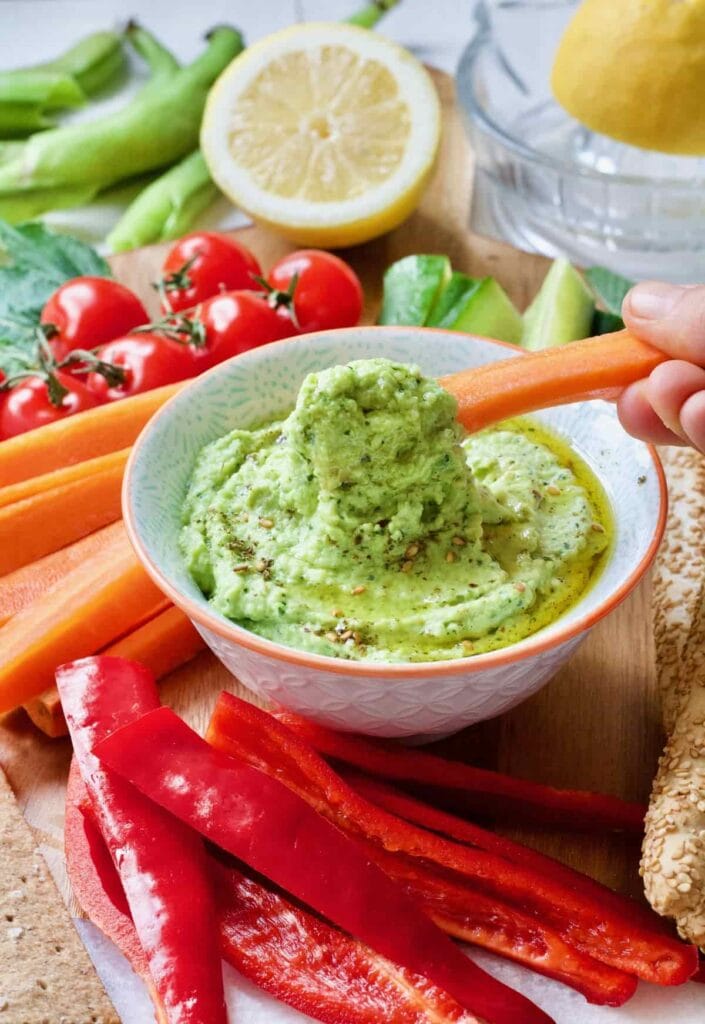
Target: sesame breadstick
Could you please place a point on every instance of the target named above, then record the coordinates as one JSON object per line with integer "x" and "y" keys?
{"x": 673, "y": 854}
{"x": 679, "y": 574}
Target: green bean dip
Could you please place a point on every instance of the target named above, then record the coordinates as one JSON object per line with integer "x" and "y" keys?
{"x": 367, "y": 525}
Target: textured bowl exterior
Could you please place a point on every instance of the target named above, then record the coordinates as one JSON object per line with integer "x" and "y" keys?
{"x": 419, "y": 706}
{"x": 432, "y": 699}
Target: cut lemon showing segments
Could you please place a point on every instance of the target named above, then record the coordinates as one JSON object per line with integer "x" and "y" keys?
{"x": 325, "y": 132}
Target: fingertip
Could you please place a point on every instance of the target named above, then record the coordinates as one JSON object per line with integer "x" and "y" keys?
{"x": 650, "y": 301}
{"x": 692, "y": 419}
{"x": 669, "y": 316}
{"x": 639, "y": 419}
{"x": 669, "y": 386}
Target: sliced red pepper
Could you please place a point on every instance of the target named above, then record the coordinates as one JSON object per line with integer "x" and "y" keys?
{"x": 96, "y": 883}
{"x": 258, "y": 928}
{"x": 275, "y": 832}
{"x": 461, "y": 787}
{"x": 292, "y": 955}
{"x": 485, "y": 920}
{"x": 303, "y": 961}
{"x": 606, "y": 929}
{"x": 404, "y": 806}
{"x": 162, "y": 864}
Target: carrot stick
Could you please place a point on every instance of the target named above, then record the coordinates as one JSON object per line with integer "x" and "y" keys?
{"x": 51, "y": 519}
{"x": 19, "y": 588}
{"x": 593, "y": 368}
{"x": 162, "y": 644}
{"x": 98, "y": 431}
{"x": 57, "y": 478}
{"x": 104, "y": 598}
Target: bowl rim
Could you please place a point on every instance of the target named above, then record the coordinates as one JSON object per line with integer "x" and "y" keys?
{"x": 546, "y": 640}
{"x": 468, "y": 102}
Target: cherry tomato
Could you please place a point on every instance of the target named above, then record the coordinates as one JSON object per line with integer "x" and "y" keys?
{"x": 202, "y": 265}
{"x": 240, "y": 320}
{"x": 328, "y": 292}
{"x": 149, "y": 360}
{"x": 27, "y": 405}
{"x": 88, "y": 311}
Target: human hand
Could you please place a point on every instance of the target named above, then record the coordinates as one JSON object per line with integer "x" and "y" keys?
{"x": 669, "y": 406}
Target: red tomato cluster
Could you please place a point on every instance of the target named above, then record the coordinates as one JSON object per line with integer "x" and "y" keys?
{"x": 216, "y": 304}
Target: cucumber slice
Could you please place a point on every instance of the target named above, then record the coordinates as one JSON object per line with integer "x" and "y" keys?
{"x": 452, "y": 300}
{"x": 411, "y": 286}
{"x": 562, "y": 310}
{"x": 490, "y": 312}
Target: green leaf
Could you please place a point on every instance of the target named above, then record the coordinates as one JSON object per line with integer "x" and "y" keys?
{"x": 34, "y": 262}
{"x": 33, "y": 245}
{"x": 15, "y": 359}
{"x": 609, "y": 288}
{"x": 605, "y": 323}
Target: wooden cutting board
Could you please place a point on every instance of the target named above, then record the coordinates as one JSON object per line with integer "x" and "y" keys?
{"x": 595, "y": 726}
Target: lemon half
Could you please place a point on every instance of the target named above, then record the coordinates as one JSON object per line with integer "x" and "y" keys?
{"x": 635, "y": 70}
{"x": 325, "y": 132}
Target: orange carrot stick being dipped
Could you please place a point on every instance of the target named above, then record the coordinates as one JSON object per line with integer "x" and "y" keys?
{"x": 594, "y": 368}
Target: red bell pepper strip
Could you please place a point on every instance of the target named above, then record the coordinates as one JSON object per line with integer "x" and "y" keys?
{"x": 275, "y": 832}
{"x": 292, "y": 955}
{"x": 606, "y": 929}
{"x": 303, "y": 961}
{"x": 94, "y": 879}
{"x": 161, "y": 863}
{"x": 96, "y": 883}
{"x": 477, "y": 790}
{"x": 312, "y": 947}
{"x": 473, "y": 916}
{"x": 404, "y": 806}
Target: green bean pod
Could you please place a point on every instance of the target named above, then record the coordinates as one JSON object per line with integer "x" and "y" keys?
{"x": 167, "y": 207}
{"x": 158, "y": 127}
{"x": 93, "y": 62}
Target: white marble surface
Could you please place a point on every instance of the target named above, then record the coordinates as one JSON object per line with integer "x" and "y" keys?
{"x": 31, "y": 29}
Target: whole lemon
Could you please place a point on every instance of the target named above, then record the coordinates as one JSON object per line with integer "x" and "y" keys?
{"x": 635, "y": 70}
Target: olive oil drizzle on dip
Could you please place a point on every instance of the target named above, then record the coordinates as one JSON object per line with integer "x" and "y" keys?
{"x": 367, "y": 525}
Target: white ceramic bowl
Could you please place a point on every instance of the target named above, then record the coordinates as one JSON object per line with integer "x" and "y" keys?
{"x": 429, "y": 699}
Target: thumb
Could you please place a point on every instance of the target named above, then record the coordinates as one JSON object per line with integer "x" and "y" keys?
{"x": 669, "y": 316}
